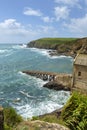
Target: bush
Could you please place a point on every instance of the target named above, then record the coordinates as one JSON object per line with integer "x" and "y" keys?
{"x": 75, "y": 112}
{"x": 11, "y": 118}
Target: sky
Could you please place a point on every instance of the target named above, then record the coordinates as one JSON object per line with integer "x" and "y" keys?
{"x": 22, "y": 21}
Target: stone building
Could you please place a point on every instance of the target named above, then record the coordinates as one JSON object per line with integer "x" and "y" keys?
{"x": 80, "y": 72}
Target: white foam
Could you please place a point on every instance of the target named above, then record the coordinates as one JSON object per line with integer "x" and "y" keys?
{"x": 41, "y": 51}
{"x": 3, "y": 51}
{"x": 37, "y": 107}
{"x": 60, "y": 57}
{"x": 23, "y": 46}
{"x": 21, "y": 73}
{"x": 19, "y": 46}
{"x": 46, "y": 52}
{"x": 27, "y": 94}
{"x": 37, "y": 81}
{"x": 6, "y": 52}
{"x": 30, "y": 110}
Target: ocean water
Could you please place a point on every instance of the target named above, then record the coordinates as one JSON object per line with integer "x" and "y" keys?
{"x": 26, "y": 93}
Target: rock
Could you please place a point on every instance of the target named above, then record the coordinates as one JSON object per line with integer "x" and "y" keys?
{"x": 40, "y": 125}
{"x": 57, "y": 113}
{"x": 56, "y": 86}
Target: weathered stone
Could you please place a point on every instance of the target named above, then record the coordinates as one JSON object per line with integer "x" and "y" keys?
{"x": 61, "y": 81}
{"x": 40, "y": 125}
{"x": 54, "y": 85}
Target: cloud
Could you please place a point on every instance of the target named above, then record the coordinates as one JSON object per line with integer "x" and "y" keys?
{"x": 47, "y": 19}
{"x": 61, "y": 12}
{"x": 32, "y": 12}
{"x": 68, "y": 2}
{"x": 10, "y": 23}
{"x": 47, "y": 30}
{"x": 12, "y": 31}
{"x": 11, "y": 26}
{"x": 78, "y": 26}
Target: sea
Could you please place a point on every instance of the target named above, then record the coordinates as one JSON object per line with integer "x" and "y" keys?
{"x": 25, "y": 93}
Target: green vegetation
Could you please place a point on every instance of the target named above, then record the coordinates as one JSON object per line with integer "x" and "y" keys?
{"x": 55, "y": 40}
{"x": 74, "y": 113}
{"x": 50, "y": 43}
{"x": 74, "y": 116}
{"x": 66, "y": 46}
{"x": 11, "y": 118}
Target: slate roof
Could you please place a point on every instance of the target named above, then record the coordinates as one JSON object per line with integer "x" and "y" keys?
{"x": 81, "y": 59}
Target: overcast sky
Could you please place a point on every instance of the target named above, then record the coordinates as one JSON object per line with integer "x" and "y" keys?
{"x": 24, "y": 20}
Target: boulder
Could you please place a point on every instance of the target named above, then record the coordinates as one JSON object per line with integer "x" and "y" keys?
{"x": 56, "y": 86}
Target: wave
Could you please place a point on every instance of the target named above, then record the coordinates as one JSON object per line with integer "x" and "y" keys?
{"x": 60, "y": 57}
{"x": 6, "y": 52}
{"x": 37, "y": 81}
{"x": 19, "y": 46}
{"x": 36, "y": 107}
{"x": 30, "y": 110}
{"x": 41, "y": 51}
{"x": 26, "y": 94}
{"x": 46, "y": 52}
{"x": 3, "y": 51}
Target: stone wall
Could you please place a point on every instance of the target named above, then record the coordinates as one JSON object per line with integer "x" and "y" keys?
{"x": 80, "y": 77}
{"x": 64, "y": 79}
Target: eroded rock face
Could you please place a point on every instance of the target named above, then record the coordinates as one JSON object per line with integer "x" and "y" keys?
{"x": 54, "y": 85}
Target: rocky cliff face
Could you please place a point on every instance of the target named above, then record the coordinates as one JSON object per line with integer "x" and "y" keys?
{"x": 70, "y": 48}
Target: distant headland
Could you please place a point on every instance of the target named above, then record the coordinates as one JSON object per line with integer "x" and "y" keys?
{"x": 61, "y": 46}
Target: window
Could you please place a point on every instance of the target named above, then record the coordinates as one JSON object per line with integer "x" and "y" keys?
{"x": 79, "y": 73}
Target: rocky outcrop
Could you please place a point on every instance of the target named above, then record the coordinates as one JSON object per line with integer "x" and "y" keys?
{"x": 56, "y": 86}
{"x": 40, "y": 125}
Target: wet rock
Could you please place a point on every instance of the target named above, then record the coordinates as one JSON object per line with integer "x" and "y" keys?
{"x": 56, "y": 86}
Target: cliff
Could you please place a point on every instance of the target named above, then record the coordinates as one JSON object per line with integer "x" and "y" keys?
{"x": 65, "y": 46}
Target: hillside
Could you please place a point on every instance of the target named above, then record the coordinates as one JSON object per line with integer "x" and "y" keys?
{"x": 66, "y": 46}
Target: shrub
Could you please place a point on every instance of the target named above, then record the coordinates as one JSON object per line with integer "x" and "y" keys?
{"x": 11, "y": 118}
{"x": 75, "y": 112}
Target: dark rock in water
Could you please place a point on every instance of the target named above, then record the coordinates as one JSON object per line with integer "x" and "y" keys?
{"x": 56, "y": 86}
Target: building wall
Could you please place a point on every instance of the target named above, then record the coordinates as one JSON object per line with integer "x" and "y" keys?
{"x": 80, "y": 77}
{"x": 64, "y": 79}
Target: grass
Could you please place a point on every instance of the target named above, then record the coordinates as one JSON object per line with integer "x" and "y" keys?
{"x": 55, "y": 40}
{"x": 53, "y": 43}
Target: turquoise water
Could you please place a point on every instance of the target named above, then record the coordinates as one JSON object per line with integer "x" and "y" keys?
{"x": 23, "y": 92}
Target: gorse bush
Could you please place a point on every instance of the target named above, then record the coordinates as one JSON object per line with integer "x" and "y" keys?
{"x": 75, "y": 112}
{"x": 11, "y": 118}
